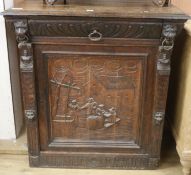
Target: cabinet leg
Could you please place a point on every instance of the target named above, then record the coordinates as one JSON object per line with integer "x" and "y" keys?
{"x": 186, "y": 167}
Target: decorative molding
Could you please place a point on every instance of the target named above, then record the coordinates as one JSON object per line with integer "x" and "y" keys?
{"x": 154, "y": 162}
{"x": 98, "y": 161}
{"x": 107, "y": 29}
{"x": 165, "y": 50}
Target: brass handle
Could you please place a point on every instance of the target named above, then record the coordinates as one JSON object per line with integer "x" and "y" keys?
{"x": 167, "y": 44}
{"x": 95, "y": 36}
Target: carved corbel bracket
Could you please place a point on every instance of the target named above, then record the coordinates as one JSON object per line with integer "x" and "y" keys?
{"x": 165, "y": 50}
{"x": 21, "y": 29}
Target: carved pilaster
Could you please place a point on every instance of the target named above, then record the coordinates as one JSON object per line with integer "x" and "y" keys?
{"x": 28, "y": 84}
{"x": 26, "y": 68}
{"x": 162, "y": 81}
{"x": 165, "y": 50}
{"x": 163, "y": 71}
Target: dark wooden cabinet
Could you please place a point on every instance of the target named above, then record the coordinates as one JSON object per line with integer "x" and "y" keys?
{"x": 94, "y": 88}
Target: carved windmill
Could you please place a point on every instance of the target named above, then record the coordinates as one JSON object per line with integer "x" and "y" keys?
{"x": 63, "y": 80}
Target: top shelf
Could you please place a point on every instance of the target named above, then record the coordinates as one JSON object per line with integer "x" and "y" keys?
{"x": 37, "y": 8}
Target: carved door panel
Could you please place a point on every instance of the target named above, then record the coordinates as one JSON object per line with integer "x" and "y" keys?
{"x": 95, "y": 99}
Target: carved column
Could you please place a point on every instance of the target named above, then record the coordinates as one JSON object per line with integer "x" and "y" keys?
{"x": 28, "y": 85}
{"x": 162, "y": 80}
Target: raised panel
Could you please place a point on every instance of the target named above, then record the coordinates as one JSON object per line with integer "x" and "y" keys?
{"x": 94, "y": 98}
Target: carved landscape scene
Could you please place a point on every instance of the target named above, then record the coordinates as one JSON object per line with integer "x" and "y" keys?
{"x": 94, "y": 98}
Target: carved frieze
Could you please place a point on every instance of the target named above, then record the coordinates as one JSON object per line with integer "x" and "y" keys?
{"x": 81, "y": 28}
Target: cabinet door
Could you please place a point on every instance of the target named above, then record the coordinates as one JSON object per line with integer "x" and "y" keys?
{"x": 95, "y": 102}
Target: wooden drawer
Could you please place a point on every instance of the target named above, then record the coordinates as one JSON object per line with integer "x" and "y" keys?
{"x": 96, "y": 29}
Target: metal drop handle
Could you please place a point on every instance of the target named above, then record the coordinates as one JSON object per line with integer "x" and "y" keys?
{"x": 95, "y": 36}
{"x": 167, "y": 44}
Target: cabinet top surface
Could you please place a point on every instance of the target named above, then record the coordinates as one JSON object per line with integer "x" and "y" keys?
{"x": 37, "y": 8}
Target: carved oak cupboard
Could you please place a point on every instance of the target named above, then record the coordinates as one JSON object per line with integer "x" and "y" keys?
{"x": 94, "y": 80}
